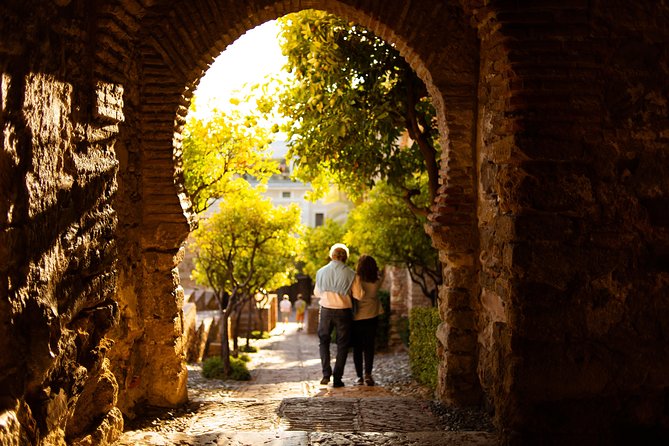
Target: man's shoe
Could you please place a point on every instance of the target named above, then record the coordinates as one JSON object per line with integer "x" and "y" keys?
{"x": 338, "y": 383}
{"x": 359, "y": 381}
{"x": 325, "y": 381}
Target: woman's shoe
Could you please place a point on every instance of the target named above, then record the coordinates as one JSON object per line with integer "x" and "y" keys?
{"x": 359, "y": 381}
{"x": 368, "y": 380}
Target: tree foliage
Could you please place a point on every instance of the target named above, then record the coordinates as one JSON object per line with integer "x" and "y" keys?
{"x": 218, "y": 151}
{"x": 352, "y": 98}
{"x": 316, "y": 244}
{"x": 384, "y": 228}
{"x": 247, "y": 246}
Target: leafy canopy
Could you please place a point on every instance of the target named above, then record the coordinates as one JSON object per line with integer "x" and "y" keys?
{"x": 219, "y": 151}
{"x": 351, "y": 99}
{"x": 248, "y": 245}
{"x": 384, "y": 228}
{"x": 316, "y": 244}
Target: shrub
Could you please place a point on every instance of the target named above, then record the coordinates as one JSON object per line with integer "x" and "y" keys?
{"x": 423, "y": 323}
{"x": 256, "y": 334}
{"x": 249, "y": 349}
{"x": 212, "y": 368}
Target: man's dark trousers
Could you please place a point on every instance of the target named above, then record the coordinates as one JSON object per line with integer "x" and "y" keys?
{"x": 341, "y": 320}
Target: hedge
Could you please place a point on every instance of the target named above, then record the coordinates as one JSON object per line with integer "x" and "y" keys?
{"x": 423, "y": 323}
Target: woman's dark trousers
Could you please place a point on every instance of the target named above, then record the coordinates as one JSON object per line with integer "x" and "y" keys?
{"x": 364, "y": 335}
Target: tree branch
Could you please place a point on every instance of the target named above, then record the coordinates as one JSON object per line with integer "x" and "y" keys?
{"x": 416, "y": 210}
{"x": 196, "y": 193}
{"x": 421, "y": 137}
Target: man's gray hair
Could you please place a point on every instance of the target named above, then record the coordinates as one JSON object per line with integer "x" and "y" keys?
{"x": 339, "y": 251}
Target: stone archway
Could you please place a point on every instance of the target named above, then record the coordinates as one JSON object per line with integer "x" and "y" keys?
{"x": 521, "y": 183}
{"x": 169, "y": 75}
{"x": 552, "y": 218}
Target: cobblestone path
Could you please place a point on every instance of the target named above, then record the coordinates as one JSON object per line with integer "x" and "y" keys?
{"x": 284, "y": 404}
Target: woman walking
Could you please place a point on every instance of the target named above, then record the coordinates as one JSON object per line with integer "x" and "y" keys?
{"x": 365, "y": 319}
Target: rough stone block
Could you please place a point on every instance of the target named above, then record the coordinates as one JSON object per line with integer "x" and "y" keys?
{"x": 457, "y": 341}
{"x": 461, "y": 319}
{"x": 455, "y": 299}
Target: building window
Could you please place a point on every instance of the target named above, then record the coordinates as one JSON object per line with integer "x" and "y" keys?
{"x": 285, "y": 194}
{"x": 320, "y": 219}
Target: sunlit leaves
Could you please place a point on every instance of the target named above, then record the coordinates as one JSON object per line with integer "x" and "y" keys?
{"x": 218, "y": 151}
{"x": 383, "y": 227}
{"x": 347, "y": 105}
{"x": 247, "y": 245}
{"x": 316, "y": 245}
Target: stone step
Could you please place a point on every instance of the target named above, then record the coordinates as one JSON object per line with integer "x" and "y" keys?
{"x": 357, "y": 415}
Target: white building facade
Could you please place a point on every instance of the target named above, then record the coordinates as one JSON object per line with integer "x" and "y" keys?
{"x": 283, "y": 191}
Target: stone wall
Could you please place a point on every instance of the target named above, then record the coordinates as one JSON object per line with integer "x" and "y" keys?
{"x": 551, "y": 221}
{"x": 404, "y": 295}
{"x": 573, "y": 248}
{"x": 148, "y": 356}
{"x": 58, "y": 226}
{"x": 397, "y": 280}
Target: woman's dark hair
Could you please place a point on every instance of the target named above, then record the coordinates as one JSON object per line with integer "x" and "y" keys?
{"x": 367, "y": 269}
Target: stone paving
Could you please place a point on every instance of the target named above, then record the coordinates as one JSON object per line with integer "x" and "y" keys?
{"x": 284, "y": 404}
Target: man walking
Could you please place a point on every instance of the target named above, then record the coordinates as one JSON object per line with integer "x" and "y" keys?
{"x": 300, "y": 309}
{"x": 285, "y": 307}
{"x": 333, "y": 282}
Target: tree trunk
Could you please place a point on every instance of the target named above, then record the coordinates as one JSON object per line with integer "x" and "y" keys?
{"x": 259, "y": 306}
{"x": 225, "y": 343}
{"x": 235, "y": 331}
{"x": 261, "y": 321}
{"x": 249, "y": 325}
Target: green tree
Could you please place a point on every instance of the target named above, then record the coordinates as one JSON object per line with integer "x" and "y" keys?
{"x": 247, "y": 246}
{"x": 316, "y": 243}
{"x": 219, "y": 151}
{"x": 383, "y": 227}
{"x": 351, "y": 100}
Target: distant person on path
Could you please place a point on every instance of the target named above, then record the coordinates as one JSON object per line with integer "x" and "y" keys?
{"x": 300, "y": 308}
{"x": 333, "y": 284}
{"x": 365, "y": 290}
{"x": 285, "y": 307}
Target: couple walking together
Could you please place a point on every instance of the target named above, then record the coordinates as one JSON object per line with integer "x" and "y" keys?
{"x": 338, "y": 286}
